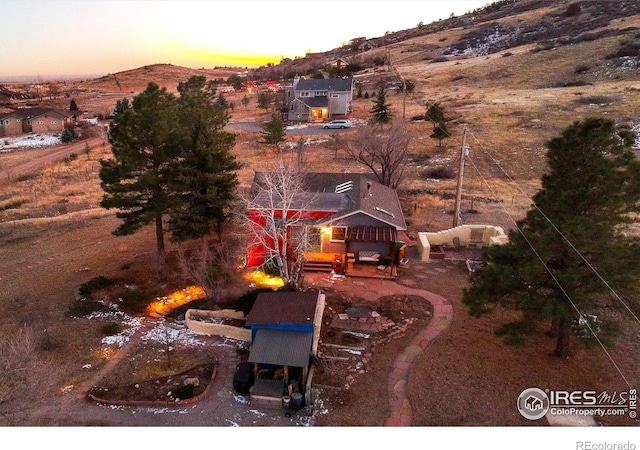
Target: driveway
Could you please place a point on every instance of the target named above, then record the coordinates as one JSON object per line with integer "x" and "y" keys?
{"x": 292, "y": 130}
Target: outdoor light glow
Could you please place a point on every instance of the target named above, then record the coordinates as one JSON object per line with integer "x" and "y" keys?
{"x": 262, "y": 279}
{"x": 325, "y": 230}
{"x": 164, "y": 305}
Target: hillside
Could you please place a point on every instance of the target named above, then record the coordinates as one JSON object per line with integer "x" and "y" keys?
{"x": 513, "y": 75}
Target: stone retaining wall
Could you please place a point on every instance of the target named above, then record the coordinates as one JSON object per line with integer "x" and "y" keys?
{"x": 216, "y": 329}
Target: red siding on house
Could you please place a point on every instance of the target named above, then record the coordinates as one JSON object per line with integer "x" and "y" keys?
{"x": 257, "y": 250}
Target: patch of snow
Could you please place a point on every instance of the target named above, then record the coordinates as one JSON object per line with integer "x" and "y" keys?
{"x": 353, "y": 352}
{"x": 163, "y": 333}
{"x": 297, "y": 126}
{"x": 241, "y": 399}
{"x": 131, "y": 325}
{"x": 354, "y": 333}
{"x": 167, "y": 410}
{"x": 31, "y": 140}
{"x": 233, "y": 424}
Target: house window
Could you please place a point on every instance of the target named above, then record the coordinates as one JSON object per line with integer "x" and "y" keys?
{"x": 338, "y": 234}
{"x": 40, "y": 122}
{"x": 315, "y": 239}
{"x": 321, "y": 93}
{"x": 335, "y": 95}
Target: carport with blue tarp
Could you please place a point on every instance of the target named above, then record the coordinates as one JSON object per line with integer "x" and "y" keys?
{"x": 285, "y": 329}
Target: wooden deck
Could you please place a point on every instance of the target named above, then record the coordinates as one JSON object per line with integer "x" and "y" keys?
{"x": 369, "y": 270}
{"x": 323, "y": 262}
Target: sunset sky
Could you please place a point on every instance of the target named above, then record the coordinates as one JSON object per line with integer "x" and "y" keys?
{"x": 48, "y": 38}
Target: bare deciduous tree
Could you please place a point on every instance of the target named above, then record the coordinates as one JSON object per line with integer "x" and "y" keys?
{"x": 210, "y": 264}
{"x": 276, "y": 222}
{"x": 335, "y": 143}
{"x": 384, "y": 152}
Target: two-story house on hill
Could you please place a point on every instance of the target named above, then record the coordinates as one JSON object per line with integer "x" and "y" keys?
{"x": 318, "y": 100}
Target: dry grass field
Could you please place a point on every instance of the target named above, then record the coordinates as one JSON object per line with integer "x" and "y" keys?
{"x": 54, "y": 236}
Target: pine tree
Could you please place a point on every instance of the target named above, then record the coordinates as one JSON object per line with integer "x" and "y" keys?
{"x": 205, "y": 180}
{"x": 273, "y": 131}
{"x": 73, "y": 106}
{"x": 435, "y": 114}
{"x": 121, "y": 106}
{"x": 145, "y": 144}
{"x": 381, "y": 109}
{"x": 440, "y": 132}
{"x": 547, "y": 271}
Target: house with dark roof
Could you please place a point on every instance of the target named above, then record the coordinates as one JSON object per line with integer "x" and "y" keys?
{"x": 350, "y": 218}
{"x": 318, "y": 100}
{"x": 7, "y": 94}
{"x": 36, "y": 120}
{"x": 338, "y": 63}
{"x": 285, "y": 330}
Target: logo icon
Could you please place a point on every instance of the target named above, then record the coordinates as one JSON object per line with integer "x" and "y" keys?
{"x": 533, "y": 403}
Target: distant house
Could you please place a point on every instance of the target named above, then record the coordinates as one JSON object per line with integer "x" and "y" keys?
{"x": 36, "y": 120}
{"x": 285, "y": 330}
{"x": 367, "y": 45}
{"x": 318, "y": 100}
{"x": 350, "y": 217}
{"x": 7, "y": 94}
{"x": 338, "y": 63}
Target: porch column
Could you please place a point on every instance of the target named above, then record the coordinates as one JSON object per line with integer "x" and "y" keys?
{"x": 393, "y": 269}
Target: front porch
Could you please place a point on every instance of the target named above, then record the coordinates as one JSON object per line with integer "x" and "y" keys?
{"x": 349, "y": 265}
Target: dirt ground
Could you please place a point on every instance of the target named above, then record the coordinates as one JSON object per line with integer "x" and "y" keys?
{"x": 58, "y": 238}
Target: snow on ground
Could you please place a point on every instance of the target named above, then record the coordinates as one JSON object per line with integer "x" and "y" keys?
{"x": 162, "y": 332}
{"x": 171, "y": 334}
{"x": 297, "y": 126}
{"x": 130, "y": 326}
{"x": 31, "y": 140}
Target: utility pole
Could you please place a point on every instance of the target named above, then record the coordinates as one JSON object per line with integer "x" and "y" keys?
{"x": 464, "y": 151}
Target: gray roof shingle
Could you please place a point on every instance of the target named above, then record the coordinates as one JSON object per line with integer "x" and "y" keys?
{"x": 281, "y": 347}
{"x": 278, "y": 308}
{"x": 347, "y": 194}
{"x": 325, "y": 84}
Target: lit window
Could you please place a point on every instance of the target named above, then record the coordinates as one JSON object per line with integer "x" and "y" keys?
{"x": 338, "y": 234}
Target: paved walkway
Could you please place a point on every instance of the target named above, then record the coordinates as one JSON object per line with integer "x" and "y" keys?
{"x": 401, "y": 411}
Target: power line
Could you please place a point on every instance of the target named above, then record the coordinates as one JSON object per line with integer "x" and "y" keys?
{"x": 564, "y": 292}
{"x": 564, "y": 237}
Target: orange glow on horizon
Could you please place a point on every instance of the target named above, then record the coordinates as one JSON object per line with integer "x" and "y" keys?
{"x": 204, "y": 57}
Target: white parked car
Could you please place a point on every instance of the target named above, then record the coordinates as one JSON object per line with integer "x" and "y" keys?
{"x": 343, "y": 123}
